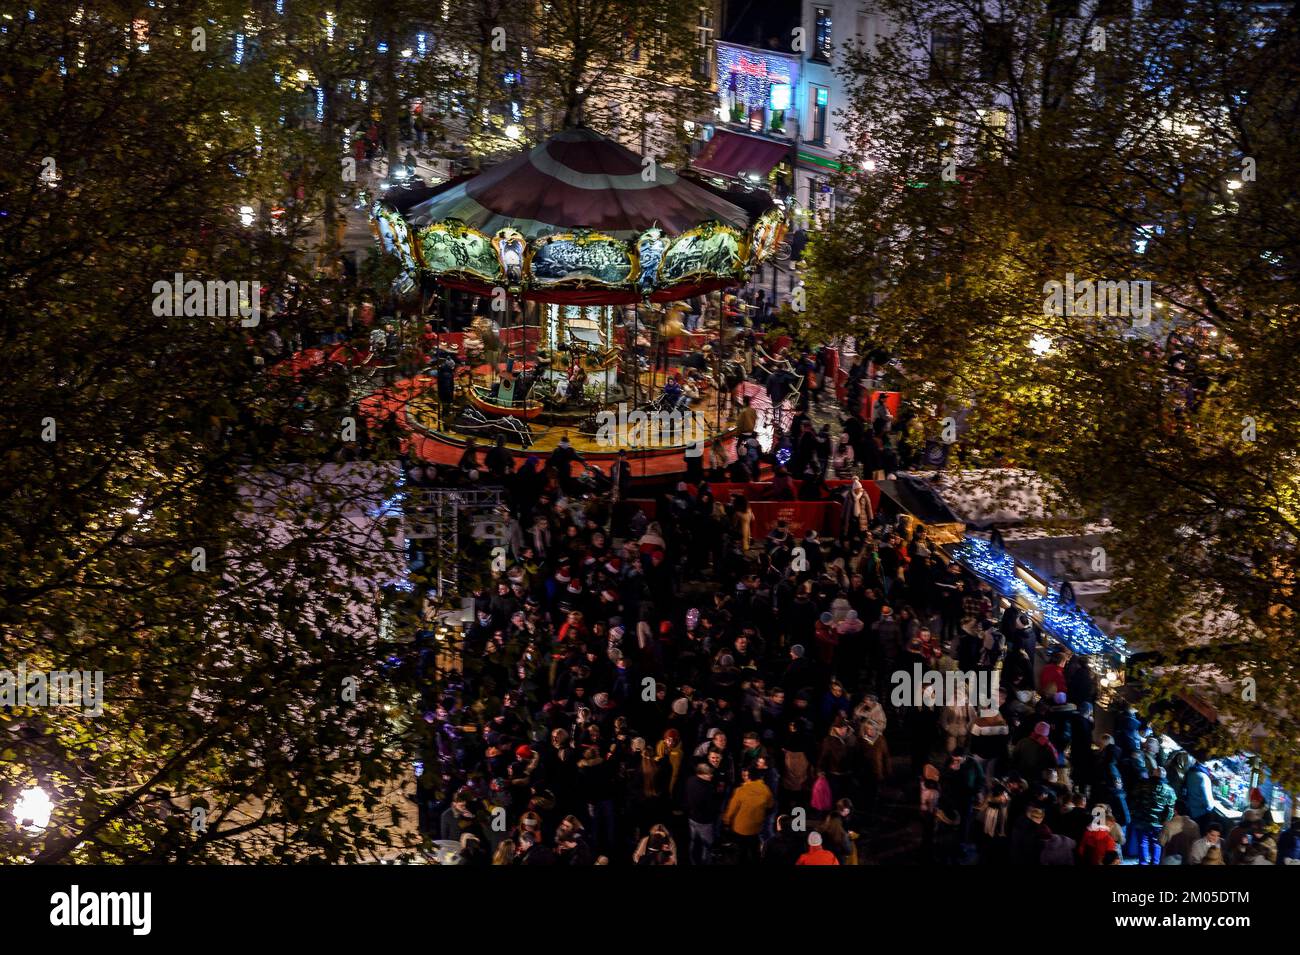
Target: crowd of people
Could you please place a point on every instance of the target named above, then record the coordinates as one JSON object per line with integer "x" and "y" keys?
{"x": 666, "y": 689}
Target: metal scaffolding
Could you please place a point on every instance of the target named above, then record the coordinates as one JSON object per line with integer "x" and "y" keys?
{"x": 436, "y": 514}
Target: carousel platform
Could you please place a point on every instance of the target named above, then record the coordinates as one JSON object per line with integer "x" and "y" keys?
{"x": 408, "y": 406}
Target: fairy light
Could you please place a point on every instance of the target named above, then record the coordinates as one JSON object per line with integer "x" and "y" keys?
{"x": 1067, "y": 622}
{"x": 750, "y": 74}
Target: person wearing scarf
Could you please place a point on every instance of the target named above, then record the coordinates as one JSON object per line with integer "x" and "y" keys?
{"x": 857, "y": 512}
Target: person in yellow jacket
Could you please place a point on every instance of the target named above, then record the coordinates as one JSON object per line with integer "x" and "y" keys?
{"x": 668, "y": 763}
{"x": 746, "y": 811}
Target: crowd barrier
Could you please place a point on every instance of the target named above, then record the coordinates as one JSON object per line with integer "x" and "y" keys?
{"x": 800, "y": 516}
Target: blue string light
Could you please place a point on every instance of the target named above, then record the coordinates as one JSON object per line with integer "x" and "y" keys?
{"x": 1067, "y": 622}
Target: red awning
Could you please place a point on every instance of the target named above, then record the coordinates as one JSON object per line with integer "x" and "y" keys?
{"x": 734, "y": 154}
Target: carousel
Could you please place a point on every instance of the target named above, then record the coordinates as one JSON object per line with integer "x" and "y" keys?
{"x": 596, "y": 282}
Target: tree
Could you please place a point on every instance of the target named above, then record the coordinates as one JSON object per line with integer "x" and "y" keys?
{"x": 1028, "y": 148}
{"x": 167, "y": 519}
{"x": 620, "y": 67}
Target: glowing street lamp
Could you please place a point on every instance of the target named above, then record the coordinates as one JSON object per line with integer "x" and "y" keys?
{"x": 1040, "y": 345}
{"x": 514, "y": 132}
{"x": 33, "y": 809}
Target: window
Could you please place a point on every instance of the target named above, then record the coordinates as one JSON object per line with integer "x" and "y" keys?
{"x": 823, "y": 45}
{"x": 995, "y": 53}
{"x": 1112, "y": 75}
{"x": 1058, "y": 83}
{"x": 820, "y": 100}
{"x": 819, "y": 193}
{"x": 945, "y": 52}
{"x": 992, "y": 132}
{"x": 704, "y": 62}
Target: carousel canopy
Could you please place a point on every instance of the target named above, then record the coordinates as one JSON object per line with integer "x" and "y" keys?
{"x": 580, "y": 219}
{"x": 577, "y": 179}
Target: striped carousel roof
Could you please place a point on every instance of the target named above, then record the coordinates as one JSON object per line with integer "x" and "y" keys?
{"x": 577, "y": 179}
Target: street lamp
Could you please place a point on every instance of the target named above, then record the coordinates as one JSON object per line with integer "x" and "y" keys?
{"x": 513, "y": 132}
{"x": 33, "y": 809}
{"x": 1040, "y": 345}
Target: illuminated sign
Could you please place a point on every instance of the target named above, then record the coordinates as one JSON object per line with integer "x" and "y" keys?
{"x": 780, "y": 96}
{"x": 751, "y": 76}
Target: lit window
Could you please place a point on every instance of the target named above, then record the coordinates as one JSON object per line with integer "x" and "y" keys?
{"x": 822, "y": 42}
{"x": 820, "y": 108}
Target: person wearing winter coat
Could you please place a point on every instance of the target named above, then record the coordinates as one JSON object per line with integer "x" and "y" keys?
{"x": 1128, "y": 732}
{"x": 956, "y": 722}
{"x": 1247, "y": 830}
{"x": 1035, "y": 753}
{"x": 823, "y": 797}
{"x": 842, "y": 459}
{"x": 873, "y": 753}
{"x": 1080, "y": 752}
{"x": 816, "y": 854}
{"x": 992, "y": 832}
{"x": 1152, "y": 812}
{"x": 1288, "y": 843}
{"x": 1108, "y": 783}
{"x": 1062, "y": 717}
{"x": 1051, "y": 679}
{"x": 856, "y": 513}
{"x": 871, "y": 711}
{"x": 1057, "y": 850}
{"x": 1096, "y": 844}
{"x": 785, "y": 847}
{"x": 990, "y": 735}
{"x": 746, "y": 812}
{"x": 1027, "y": 836}
{"x": 703, "y": 802}
{"x": 657, "y": 848}
{"x": 835, "y": 758}
{"x": 669, "y": 757}
{"x": 1178, "y": 836}
{"x": 1207, "y": 850}
{"x": 1198, "y": 793}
